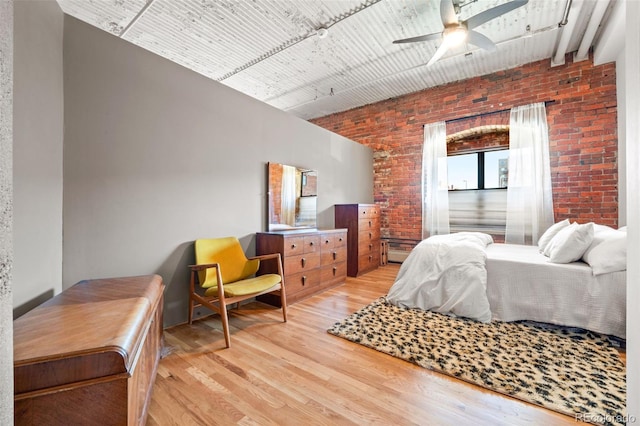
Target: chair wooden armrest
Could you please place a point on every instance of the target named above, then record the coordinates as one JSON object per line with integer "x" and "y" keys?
{"x": 266, "y": 256}
{"x": 272, "y": 256}
{"x": 205, "y": 266}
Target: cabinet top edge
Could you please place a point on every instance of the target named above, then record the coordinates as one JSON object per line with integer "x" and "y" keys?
{"x": 303, "y": 231}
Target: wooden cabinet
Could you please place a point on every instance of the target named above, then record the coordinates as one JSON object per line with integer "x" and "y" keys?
{"x": 363, "y": 240}
{"x": 90, "y": 354}
{"x": 312, "y": 260}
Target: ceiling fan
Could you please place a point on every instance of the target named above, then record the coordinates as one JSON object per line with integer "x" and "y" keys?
{"x": 457, "y": 32}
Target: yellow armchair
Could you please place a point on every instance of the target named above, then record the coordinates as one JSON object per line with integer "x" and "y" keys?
{"x": 228, "y": 276}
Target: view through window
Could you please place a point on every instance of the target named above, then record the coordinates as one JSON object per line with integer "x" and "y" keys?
{"x": 478, "y": 170}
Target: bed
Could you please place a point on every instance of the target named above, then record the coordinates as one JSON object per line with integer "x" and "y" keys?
{"x": 466, "y": 274}
{"x": 523, "y": 285}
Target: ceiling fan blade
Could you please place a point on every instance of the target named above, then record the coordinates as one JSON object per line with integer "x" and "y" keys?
{"x": 419, "y": 38}
{"x": 494, "y": 12}
{"x": 448, "y": 12}
{"x": 441, "y": 51}
{"x": 481, "y": 40}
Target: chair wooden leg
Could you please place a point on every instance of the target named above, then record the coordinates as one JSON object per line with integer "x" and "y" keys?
{"x": 225, "y": 324}
{"x": 283, "y": 302}
{"x": 190, "y": 310}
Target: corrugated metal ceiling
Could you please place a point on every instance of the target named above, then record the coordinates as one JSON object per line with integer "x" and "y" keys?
{"x": 270, "y": 49}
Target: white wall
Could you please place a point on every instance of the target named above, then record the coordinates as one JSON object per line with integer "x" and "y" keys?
{"x": 632, "y": 109}
{"x": 37, "y": 153}
{"x": 6, "y": 211}
{"x": 157, "y": 156}
{"x": 621, "y": 89}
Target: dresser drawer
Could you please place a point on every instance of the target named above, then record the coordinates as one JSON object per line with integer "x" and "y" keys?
{"x": 368, "y": 224}
{"x": 334, "y": 239}
{"x": 311, "y": 244}
{"x": 301, "y": 263}
{"x": 293, "y": 246}
{"x": 295, "y": 283}
{"x": 369, "y": 261}
{"x": 333, "y": 273}
{"x": 337, "y": 254}
{"x": 369, "y": 235}
{"x": 368, "y": 211}
{"x": 303, "y": 244}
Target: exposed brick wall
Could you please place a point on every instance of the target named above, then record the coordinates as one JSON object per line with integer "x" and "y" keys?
{"x": 582, "y": 133}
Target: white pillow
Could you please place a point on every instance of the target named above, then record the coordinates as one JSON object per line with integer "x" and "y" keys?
{"x": 550, "y": 233}
{"x": 563, "y": 235}
{"x": 600, "y": 233}
{"x": 623, "y": 229}
{"x": 608, "y": 256}
{"x": 547, "y": 248}
{"x": 601, "y": 229}
{"x": 570, "y": 243}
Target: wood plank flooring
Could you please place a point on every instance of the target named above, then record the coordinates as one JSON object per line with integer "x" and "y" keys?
{"x": 295, "y": 373}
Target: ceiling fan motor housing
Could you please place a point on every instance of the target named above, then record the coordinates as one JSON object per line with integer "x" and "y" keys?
{"x": 455, "y": 34}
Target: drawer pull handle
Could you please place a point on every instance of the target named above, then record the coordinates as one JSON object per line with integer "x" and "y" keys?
{"x": 293, "y": 246}
{"x": 303, "y": 261}
{"x": 369, "y": 224}
{"x": 334, "y": 271}
{"x": 311, "y": 243}
{"x": 340, "y": 239}
{"x": 335, "y": 255}
{"x": 326, "y": 241}
{"x": 370, "y": 258}
{"x": 304, "y": 279}
{"x": 370, "y": 246}
{"x": 370, "y": 235}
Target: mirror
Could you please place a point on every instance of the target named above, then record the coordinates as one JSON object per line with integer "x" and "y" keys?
{"x": 292, "y": 196}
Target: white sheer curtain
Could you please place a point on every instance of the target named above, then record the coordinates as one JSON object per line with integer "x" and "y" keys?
{"x": 288, "y": 196}
{"x": 435, "y": 194}
{"x": 529, "y": 196}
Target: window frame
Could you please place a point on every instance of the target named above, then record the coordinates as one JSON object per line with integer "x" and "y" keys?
{"x": 480, "y": 165}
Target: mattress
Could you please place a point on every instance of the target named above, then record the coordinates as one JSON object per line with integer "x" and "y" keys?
{"x": 523, "y": 285}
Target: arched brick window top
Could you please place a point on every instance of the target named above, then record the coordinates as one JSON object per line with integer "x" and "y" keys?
{"x": 480, "y": 138}
{"x": 477, "y": 132}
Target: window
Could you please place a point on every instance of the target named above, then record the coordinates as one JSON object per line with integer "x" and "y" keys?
{"x": 479, "y": 170}
{"x": 478, "y": 191}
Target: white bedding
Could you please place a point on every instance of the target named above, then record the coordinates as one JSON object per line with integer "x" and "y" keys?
{"x": 523, "y": 285}
{"x": 446, "y": 274}
{"x": 464, "y": 275}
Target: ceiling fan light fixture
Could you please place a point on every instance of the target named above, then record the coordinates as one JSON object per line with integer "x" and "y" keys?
{"x": 455, "y": 36}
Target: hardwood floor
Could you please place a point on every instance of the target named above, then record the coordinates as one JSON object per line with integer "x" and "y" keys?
{"x": 295, "y": 373}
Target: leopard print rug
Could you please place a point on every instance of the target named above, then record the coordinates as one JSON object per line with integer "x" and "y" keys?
{"x": 572, "y": 371}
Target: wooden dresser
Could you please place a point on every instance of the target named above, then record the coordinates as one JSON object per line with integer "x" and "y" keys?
{"x": 89, "y": 355}
{"x": 363, "y": 241}
{"x": 313, "y": 261}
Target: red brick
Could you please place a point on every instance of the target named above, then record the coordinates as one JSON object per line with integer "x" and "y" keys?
{"x": 582, "y": 136}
